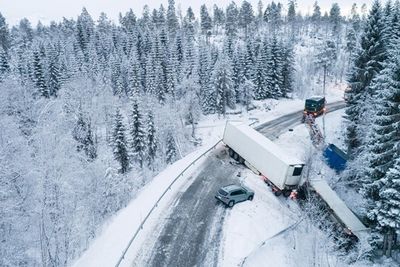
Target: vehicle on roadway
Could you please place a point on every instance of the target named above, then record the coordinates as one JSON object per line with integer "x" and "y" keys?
{"x": 314, "y": 106}
{"x": 281, "y": 171}
{"x": 232, "y": 194}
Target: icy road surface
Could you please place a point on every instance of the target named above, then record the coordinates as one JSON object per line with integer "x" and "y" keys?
{"x": 191, "y": 232}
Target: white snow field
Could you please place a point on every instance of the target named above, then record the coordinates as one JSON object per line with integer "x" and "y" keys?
{"x": 108, "y": 246}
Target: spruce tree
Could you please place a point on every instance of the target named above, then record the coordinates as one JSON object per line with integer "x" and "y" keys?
{"x": 38, "y": 74}
{"x": 367, "y": 64}
{"x": 246, "y": 93}
{"x": 152, "y": 142}
{"x": 5, "y": 40}
{"x": 207, "y": 96}
{"x": 336, "y": 20}
{"x": 134, "y": 83}
{"x": 232, "y": 15}
{"x": 206, "y": 22}
{"x": 223, "y": 84}
{"x": 82, "y": 133}
{"x": 219, "y": 17}
{"x": 119, "y": 143}
{"x": 54, "y": 76}
{"x": 171, "y": 17}
{"x": 246, "y": 15}
{"x": 85, "y": 29}
{"x": 4, "y": 66}
{"x": 260, "y": 76}
{"x": 137, "y": 142}
{"x": 171, "y": 150}
{"x": 274, "y": 79}
{"x": 288, "y": 70}
{"x": 387, "y": 208}
{"x": 382, "y": 145}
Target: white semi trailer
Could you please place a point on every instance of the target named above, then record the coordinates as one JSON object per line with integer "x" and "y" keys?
{"x": 283, "y": 172}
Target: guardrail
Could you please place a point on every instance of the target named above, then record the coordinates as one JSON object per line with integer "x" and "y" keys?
{"x": 158, "y": 201}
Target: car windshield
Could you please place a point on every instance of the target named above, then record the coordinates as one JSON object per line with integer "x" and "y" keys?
{"x": 222, "y": 192}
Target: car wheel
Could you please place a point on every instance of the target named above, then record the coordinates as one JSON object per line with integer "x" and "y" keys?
{"x": 250, "y": 198}
{"x": 231, "y": 203}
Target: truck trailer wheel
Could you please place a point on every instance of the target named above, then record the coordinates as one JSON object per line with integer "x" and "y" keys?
{"x": 235, "y": 156}
{"x": 286, "y": 193}
{"x": 278, "y": 193}
{"x": 231, "y": 152}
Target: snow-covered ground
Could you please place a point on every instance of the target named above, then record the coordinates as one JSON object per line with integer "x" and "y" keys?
{"x": 106, "y": 249}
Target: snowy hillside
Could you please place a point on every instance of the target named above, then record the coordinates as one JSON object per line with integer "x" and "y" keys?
{"x": 97, "y": 117}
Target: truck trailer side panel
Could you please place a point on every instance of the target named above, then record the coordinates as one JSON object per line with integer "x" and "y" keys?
{"x": 345, "y": 215}
{"x": 263, "y": 154}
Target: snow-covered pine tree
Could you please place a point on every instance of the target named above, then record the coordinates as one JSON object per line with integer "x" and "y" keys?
{"x": 171, "y": 149}
{"x": 232, "y": 16}
{"x": 326, "y": 57}
{"x": 151, "y": 140}
{"x": 288, "y": 69}
{"x": 83, "y": 134}
{"x": 85, "y": 29}
{"x": 238, "y": 69}
{"x": 260, "y": 75}
{"x": 335, "y": 19}
{"x": 4, "y": 66}
{"x": 246, "y": 16}
{"x": 218, "y": 18}
{"x": 137, "y": 142}
{"x": 38, "y": 74}
{"x": 128, "y": 21}
{"x": 273, "y": 15}
{"x": 4, "y": 34}
{"x": 171, "y": 71}
{"x": 207, "y": 94}
{"x": 367, "y": 63}
{"x": 206, "y": 22}
{"x": 382, "y": 146}
{"x": 274, "y": 79}
{"x": 134, "y": 84}
{"x": 223, "y": 84}
{"x": 172, "y": 20}
{"x": 246, "y": 93}
{"x": 189, "y": 25}
{"x": 387, "y": 208}
{"x": 54, "y": 76}
{"x": 249, "y": 59}
{"x": 291, "y": 18}
{"x": 119, "y": 143}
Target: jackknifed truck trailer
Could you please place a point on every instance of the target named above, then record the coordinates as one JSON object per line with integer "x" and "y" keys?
{"x": 284, "y": 172}
{"x": 281, "y": 171}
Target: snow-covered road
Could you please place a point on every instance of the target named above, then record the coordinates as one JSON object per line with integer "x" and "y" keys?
{"x": 190, "y": 234}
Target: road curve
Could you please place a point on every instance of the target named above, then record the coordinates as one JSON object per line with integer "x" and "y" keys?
{"x": 192, "y": 232}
